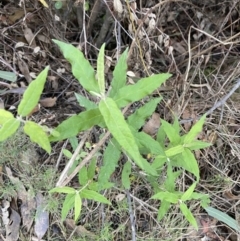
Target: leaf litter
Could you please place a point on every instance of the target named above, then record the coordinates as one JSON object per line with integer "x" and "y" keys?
{"x": 166, "y": 52}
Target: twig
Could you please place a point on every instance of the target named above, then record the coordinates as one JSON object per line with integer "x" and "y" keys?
{"x": 84, "y": 161}
{"x": 219, "y": 103}
{"x": 71, "y": 161}
{"x": 132, "y": 219}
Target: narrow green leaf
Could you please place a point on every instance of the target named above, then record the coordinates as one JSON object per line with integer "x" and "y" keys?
{"x": 125, "y": 174}
{"x": 120, "y": 130}
{"x": 81, "y": 68}
{"x": 187, "y": 195}
{"x": 5, "y": 116}
{"x": 188, "y": 215}
{"x": 119, "y": 74}
{"x": 174, "y": 150}
{"x": 204, "y": 198}
{"x": 10, "y": 76}
{"x": 196, "y": 145}
{"x": 171, "y": 133}
{"x": 100, "y": 70}
{"x": 167, "y": 196}
{"x": 195, "y": 130}
{"x": 9, "y": 128}
{"x": 67, "y": 205}
{"x": 37, "y": 135}
{"x": 92, "y": 195}
{"x": 83, "y": 176}
{"x": 85, "y": 102}
{"x": 110, "y": 160}
{"x": 138, "y": 118}
{"x": 67, "y": 190}
{"x": 165, "y": 206}
{"x": 32, "y": 94}
{"x": 169, "y": 183}
{"x": 161, "y": 136}
{"x": 142, "y": 88}
{"x": 75, "y": 124}
{"x": 159, "y": 161}
{"x": 223, "y": 217}
{"x": 77, "y": 206}
{"x": 176, "y": 125}
{"x": 191, "y": 163}
{"x": 91, "y": 168}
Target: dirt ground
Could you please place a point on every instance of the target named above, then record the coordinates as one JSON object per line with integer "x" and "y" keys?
{"x": 198, "y": 42}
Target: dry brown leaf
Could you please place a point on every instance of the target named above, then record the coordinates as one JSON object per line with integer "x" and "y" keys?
{"x": 29, "y": 36}
{"x": 42, "y": 217}
{"x": 12, "y": 229}
{"x": 24, "y": 70}
{"x": 48, "y": 102}
{"x": 228, "y": 195}
{"x": 78, "y": 229}
{"x": 151, "y": 127}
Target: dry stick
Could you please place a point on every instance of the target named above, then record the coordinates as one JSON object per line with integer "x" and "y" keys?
{"x": 71, "y": 161}
{"x": 84, "y": 161}
{"x": 132, "y": 219}
{"x": 219, "y": 103}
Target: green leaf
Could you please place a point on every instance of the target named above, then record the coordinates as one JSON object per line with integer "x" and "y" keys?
{"x": 81, "y": 68}
{"x": 165, "y": 206}
{"x": 92, "y": 195}
{"x": 131, "y": 93}
{"x": 10, "y": 76}
{"x": 67, "y": 190}
{"x": 187, "y": 195}
{"x": 32, "y": 94}
{"x": 100, "y": 70}
{"x": 167, "y": 196}
{"x": 176, "y": 125}
{"x": 169, "y": 183}
{"x": 195, "y": 130}
{"x": 75, "y": 124}
{"x": 9, "y": 128}
{"x": 196, "y": 145}
{"x": 204, "y": 198}
{"x": 77, "y": 206}
{"x": 171, "y": 133}
{"x": 37, "y": 135}
{"x": 223, "y": 217}
{"x": 110, "y": 160}
{"x": 91, "y": 168}
{"x": 188, "y": 215}
{"x": 147, "y": 144}
{"x": 67, "y": 153}
{"x": 125, "y": 174}
{"x": 120, "y": 130}
{"x": 67, "y": 205}
{"x": 174, "y": 150}
{"x": 83, "y": 176}
{"x": 138, "y": 118}
{"x": 85, "y": 102}
{"x": 5, "y": 116}
{"x": 119, "y": 74}
{"x": 159, "y": 161}
{"x": 161, "y": 136}
{"x": 191, "y": 164}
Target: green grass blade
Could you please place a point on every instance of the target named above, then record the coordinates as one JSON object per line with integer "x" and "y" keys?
{"x": 223, "y": 217}
{"x": 125, "y": 175}
{"x": 10, "y": 76}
